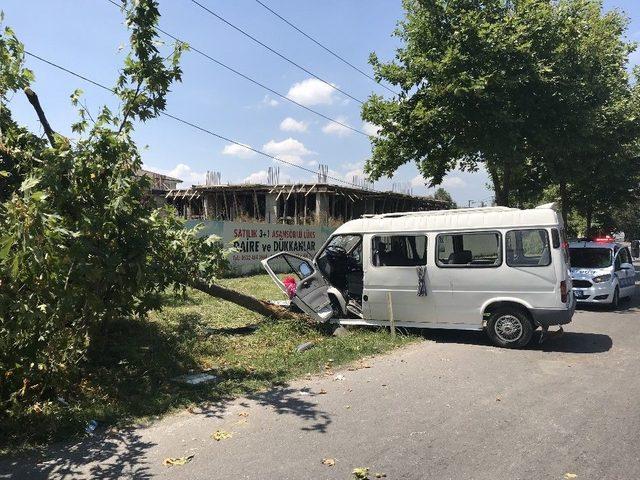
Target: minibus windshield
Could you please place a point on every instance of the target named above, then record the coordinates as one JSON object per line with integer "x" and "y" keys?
{"x": 590, "y": 257}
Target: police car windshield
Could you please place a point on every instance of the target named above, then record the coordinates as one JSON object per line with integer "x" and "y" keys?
{"x": 590, "y": 257}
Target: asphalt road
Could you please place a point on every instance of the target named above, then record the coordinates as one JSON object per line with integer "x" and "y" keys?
{"x": 451, "y": 407}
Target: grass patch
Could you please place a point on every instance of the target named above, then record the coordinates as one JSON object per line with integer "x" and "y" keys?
{"x": 129, "y": 377}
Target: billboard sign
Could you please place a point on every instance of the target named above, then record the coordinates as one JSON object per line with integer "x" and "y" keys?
{"x": 257, "y": 241}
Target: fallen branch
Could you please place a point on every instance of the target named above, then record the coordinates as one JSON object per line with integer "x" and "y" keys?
{"x": 248, "y": 302}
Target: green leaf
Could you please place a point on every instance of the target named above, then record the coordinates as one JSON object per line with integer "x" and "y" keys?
{"x": 75, "y": 96}
{"x": 29, "y": 183}
{"x": 15, "y": 266}
{"x": 7, "y": 243}
{"x": 39, "y": 195}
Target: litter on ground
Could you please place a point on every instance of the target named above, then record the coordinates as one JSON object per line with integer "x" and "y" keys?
{"x": 172, "y": 462}
{"x": 195, "y": 378}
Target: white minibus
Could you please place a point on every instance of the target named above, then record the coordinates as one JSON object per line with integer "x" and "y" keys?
{"x": 504, "y": 270}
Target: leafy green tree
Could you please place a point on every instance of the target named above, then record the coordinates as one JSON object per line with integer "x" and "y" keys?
{"x": 442, "y": 194}
{"x": 80, "y": 242}
{"x": 466, "y": 72}
{"x": 521, "y": 87}
{"x": 625, "y": 218}
{"x": 589, "y": 109}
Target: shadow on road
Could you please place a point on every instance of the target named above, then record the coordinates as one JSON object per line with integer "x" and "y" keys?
{"x": 123, "y": 453}
{"x": 115, "y": 455}
{"x": 287, "y": 401}
{"x": 576, "y": 342}
{"x": 568, "y": 342}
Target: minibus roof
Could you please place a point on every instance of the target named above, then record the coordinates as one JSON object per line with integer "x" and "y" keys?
{"x": 462, "y": 219}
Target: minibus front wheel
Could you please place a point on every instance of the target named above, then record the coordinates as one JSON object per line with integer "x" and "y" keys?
{"x": 509, "y": 327}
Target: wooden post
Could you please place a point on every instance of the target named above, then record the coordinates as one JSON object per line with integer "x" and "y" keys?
{"x": 391, "y": 319}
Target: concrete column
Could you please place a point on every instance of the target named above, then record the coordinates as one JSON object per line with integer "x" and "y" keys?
{"x": 322, "y": 208}
{"x": 272, "y": 212}
{"x": 207, "y": 207}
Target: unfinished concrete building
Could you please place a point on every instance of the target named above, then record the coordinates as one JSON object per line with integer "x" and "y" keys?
{"x": 296, "y": 204}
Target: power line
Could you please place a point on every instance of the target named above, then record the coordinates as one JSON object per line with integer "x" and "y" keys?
{"x": 269, "y": 89}
{"x": 188, "y": 123}
{"x": 342, "y": 59}
{"x": 248, "y": 35}
{"x": 252, "y": 80}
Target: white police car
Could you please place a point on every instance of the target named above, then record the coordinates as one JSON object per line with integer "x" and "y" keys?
{"x": 601, "y": 272}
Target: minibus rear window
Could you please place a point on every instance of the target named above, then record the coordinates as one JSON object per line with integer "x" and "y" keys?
{"x": 528, "y": 248}
{"x": 470, "y": 250}
{"x": 399, "y": 250}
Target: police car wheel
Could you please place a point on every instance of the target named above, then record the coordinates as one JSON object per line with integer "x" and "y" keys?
{"x": 509, "y": 328}
{"x": 615, "y": 301}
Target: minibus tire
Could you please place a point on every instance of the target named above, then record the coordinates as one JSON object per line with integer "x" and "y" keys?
{"x": 507, "y": 318}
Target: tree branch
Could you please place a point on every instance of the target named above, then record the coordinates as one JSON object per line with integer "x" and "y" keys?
{"x": 35, "y": 103}
{"x": 128, "y": 111}
{"x": 248, "y": 302}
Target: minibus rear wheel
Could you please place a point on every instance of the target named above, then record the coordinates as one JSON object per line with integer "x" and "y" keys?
{"x": 509, "y": 327}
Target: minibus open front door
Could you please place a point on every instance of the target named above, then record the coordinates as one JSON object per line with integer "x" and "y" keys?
{"x": 298, "y": 277}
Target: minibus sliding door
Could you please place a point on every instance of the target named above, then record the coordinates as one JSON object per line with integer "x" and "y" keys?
{"x": 391, "y": 264}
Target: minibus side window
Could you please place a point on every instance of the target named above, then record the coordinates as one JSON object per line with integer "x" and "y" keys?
{"x": 528, "y": 248}
{"x": 399, "y": 250}
{"x": 555, "y": 237}
{"x": 469, "y": 250}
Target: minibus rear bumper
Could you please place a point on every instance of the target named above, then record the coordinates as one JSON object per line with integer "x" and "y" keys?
{"x": 544, "y": 317}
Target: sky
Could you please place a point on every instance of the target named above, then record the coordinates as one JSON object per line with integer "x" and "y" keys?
{"x": 87, "y": 36}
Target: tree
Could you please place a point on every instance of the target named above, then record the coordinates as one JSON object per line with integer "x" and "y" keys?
{"x": 588, "y": 108}
{"x": 518, "y": 86}
{"x": 442, "y": 194}
{"x": 466, "y": 71}
{"x": 625, "y": 218}
{"x": 80, "y": 242}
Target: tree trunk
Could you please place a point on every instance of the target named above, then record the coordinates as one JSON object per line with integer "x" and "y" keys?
{"x": 506, "y": 185}
{"x": 247, "y": 301}
{"x": 564, "y": 201}
{"x": 589, "y": 216}
{"x": 501, "y": 186}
